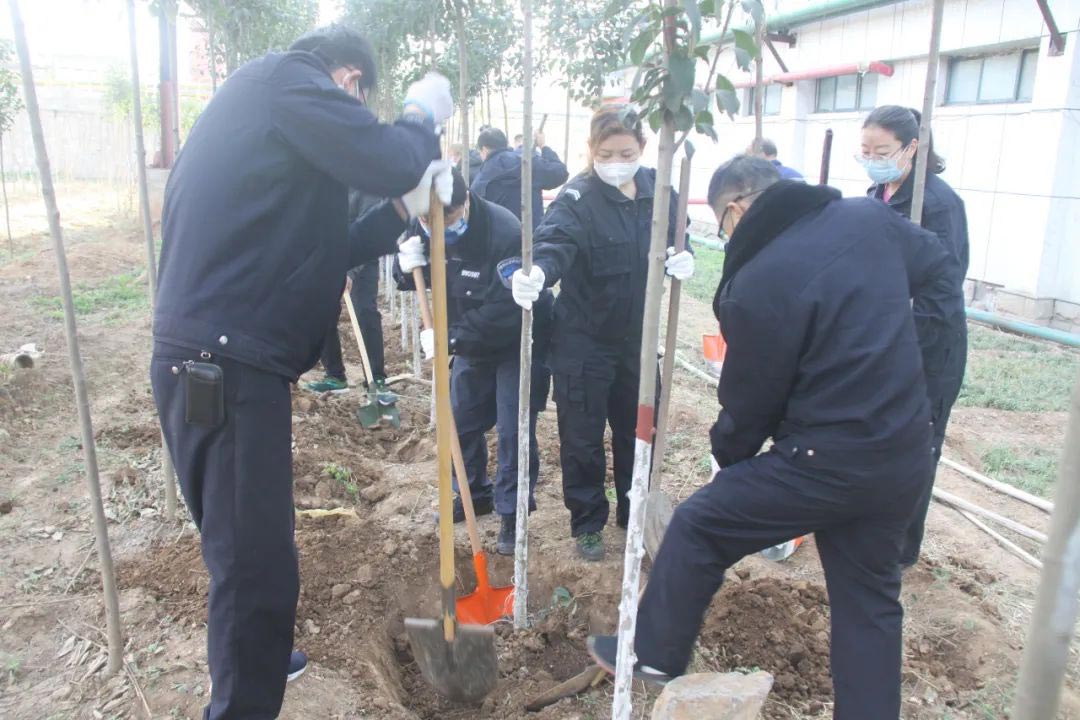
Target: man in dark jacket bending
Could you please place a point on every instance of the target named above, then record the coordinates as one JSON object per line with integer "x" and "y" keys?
{"x": 499, "y": 178}
{"x": 255, "y": 246}
{"x": 483, "y": 250}
{"x": 815, "y": 305}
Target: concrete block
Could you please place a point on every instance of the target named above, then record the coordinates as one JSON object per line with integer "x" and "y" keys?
{"x": 717, "y": 696}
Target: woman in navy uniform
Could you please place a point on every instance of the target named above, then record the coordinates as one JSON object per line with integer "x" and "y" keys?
{"x": 890, "y": 140}
{"x": 595, "y": 239}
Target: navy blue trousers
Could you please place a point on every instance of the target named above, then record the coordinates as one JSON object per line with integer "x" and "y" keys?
{"x": 365, "y": 298}
{"x": 484, "y": 395}
{"x": 859, "y": 515}
{"x": 237, "y": 481}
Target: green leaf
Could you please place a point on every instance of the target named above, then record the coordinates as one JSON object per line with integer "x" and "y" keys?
{"x": 708, "y": 131}
{"x": 656, "y": 119}
{"x": 727, "y": 101}
{"x": 701, "y": 52}
{"x": 756, "y": 10}
{"x": 722, "y": 83}
{"x": 679, "y": 81}
{"x": 684, "y": 119}
{"x": 698, "y": 100}
{"x": 688, "y": 148}
{"x": 694, "y": 15}
{"x": 641, "y": 44}
{"x": 707, "y": 7}
{"x": 746, "y": 48}
{"x": 703, "y": 117}
{"x": 639, "y": 22}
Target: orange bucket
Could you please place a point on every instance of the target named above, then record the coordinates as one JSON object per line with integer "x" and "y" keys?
{"x": 714, "y": 348}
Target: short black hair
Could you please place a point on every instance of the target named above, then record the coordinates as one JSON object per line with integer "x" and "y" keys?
{"x": 765, "y": 146}
{"x": 339, "y": 46}
{"x": 461, "y": 191}
{"x": 904, "y": 123}
{"x": 493, "y": 139}
{"x": 741, "y": 175}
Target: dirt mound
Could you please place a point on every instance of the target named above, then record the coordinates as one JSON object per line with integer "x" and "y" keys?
{"x": 778, "y": 626}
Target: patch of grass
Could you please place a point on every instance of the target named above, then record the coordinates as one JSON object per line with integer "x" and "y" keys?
{"x": 344, "y": 476}
{"x": 1005, "y": 372}
{"x": 708, "y": 266}
{"x": 116, "y": 296}
{"x": 1032, "y": 469}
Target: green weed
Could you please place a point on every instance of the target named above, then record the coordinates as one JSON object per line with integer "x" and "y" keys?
{"x": 344, "y": 476}
{"x": 1032, "y": 469}
{"x": 117, "y": 296}
{"x": 1005, "y": 372}
{"x": 708, "y": 266}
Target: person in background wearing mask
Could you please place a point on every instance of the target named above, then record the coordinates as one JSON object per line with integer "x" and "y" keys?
{"x": 483, "y": 250}
{"x": 822, "y": 357}
{"x": 499, "y": 179}
{"x": 255, "y": 245}
{"x": 766, "y": 150}
{"x": 595, "y": 239}
{"x": 890, "y": 140}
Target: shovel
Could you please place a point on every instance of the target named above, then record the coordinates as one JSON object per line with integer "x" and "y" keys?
{"x": 371, "y": 413}
{"x": 459, "y": 661}
{"x": 659, "y": 508}
{"x": 486, "y": 604}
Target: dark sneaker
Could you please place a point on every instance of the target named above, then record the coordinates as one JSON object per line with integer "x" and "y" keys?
{"x": 297, "y": 665}
{"x": 591, "y": 546}
{"x": 604, "y": 649}
{"x": 483, "y": 506}
{"x": 328, "y": 384}
{"x": 507, "y": 535}
{"x": 383, "y": 393}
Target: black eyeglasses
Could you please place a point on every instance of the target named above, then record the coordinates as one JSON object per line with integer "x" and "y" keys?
{"x": 736, "y": 199}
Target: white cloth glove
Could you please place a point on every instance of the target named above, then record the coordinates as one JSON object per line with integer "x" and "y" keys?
{"x": 715, "y": 466}
{"x": 679, "y": 265}
{"x": 418, "y": 200}
{"x": 427, "y": 343}
{"x": 411, "y": 255}
{"x": 432, "y": 94}
{"x": 526, "y": 288}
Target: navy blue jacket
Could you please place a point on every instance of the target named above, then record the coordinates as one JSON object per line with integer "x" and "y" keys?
{"x": 822, "y": 352}
{"x": 484, "y": 321}
{"x": 787, "y": 173}
{"x": 596, "y": 241}
{"x": 945, "y": 352}
{"x": 499, "y": 180}
{"x": 255, "y": 233}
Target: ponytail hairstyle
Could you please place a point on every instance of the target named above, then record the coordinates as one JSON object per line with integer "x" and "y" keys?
{"x": 904, "y": 124}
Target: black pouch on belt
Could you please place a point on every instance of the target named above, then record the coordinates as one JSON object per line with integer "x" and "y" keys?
{"x": 204, "y": 393}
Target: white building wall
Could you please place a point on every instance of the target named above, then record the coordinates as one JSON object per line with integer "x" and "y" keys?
{"x": 1016, "y": 165}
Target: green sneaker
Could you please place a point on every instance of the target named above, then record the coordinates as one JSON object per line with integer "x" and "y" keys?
{"x": 327, "y": 384}
{"x": 383, "y": 393}
{"x": 590, "y": 546}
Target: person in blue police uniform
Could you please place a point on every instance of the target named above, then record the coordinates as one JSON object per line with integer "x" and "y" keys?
{"x": 815, "y": 305}
{"x": 483, "y": 250}
{"x": 255, "y": 246}
{"x": 890, "y": 140}
{"x": 595, "y": 239}
{"x": 499, "y": 177}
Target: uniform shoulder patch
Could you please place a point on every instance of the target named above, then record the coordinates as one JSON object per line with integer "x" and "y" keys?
{"x": 574, "y": 193}
{"x": 507, "y": 268}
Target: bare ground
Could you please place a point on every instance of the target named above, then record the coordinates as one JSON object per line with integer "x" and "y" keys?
{"x": 968, "y": 604}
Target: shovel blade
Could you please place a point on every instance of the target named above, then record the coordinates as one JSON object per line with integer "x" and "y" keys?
{"x": 369, "y": 415}
{"x": 465, "y": 670}
{"x": 485, "y": 605}
{"x": 658, "y": 512}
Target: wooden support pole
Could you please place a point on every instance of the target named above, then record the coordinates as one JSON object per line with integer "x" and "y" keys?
{"x": 929, "y": 100}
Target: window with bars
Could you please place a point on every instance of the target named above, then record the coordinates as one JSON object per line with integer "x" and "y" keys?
{"x": 847, "y": 93}
{"x": 992, "y": 78}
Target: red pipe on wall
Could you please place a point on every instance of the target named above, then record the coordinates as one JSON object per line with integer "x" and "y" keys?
{"x": 875, "y": 67}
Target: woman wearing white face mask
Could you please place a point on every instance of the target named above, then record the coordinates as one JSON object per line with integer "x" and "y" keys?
{"x": 595, "y": 239}
{"x": 890, "y": 140}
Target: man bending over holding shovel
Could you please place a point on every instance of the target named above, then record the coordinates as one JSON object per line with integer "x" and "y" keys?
{"x": 483, "y": 250}
{"x": 815, "y": 305}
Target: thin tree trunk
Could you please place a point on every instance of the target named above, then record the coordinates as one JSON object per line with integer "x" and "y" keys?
{"x": 566, "y": 140}
{"x": 148, "y": 234}
{"x": 506, "y": 113}
{"x": 759, "y": 87}
{"x": 1046, "y": 652}
{"x": 463, "y": 88}
{"x": 929, "y": 97}
{"x": 650, "y": 333}
{"x": 521, "y": 548}
{"x": 211, "y": 55}
{"x": 48, "y": 192}
{"x": 7, "y": 209}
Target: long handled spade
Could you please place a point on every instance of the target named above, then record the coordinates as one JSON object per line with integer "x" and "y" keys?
{"x": 659, "y": 508}
{"x": 486, "y": 604}
{"x": 459, "y": 661}
{"x": 372, "y": 412}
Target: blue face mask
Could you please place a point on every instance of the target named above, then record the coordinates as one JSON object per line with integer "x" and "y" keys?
{"x": 883, "y": 171}
{"x": 453, "y": 233}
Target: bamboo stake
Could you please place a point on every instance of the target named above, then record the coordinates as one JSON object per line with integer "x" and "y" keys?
{"x": 167, "y": 470}
{"x": 93, "y": 484}
{"x": 1001, "y": 487}
{"x": 759, "y": 86}
{"x": 929, "y": 97}
{"x": 1046, "y": 652}
{"x": 635, "y": 536}
{"x": 521, "y": 546}
{"x": 1001, "y": 539}
{"x": 463, "y": 88}
{"x": 959, "y": 502}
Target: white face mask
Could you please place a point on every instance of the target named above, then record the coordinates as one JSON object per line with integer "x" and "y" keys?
{"x": 616, "y": 174}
